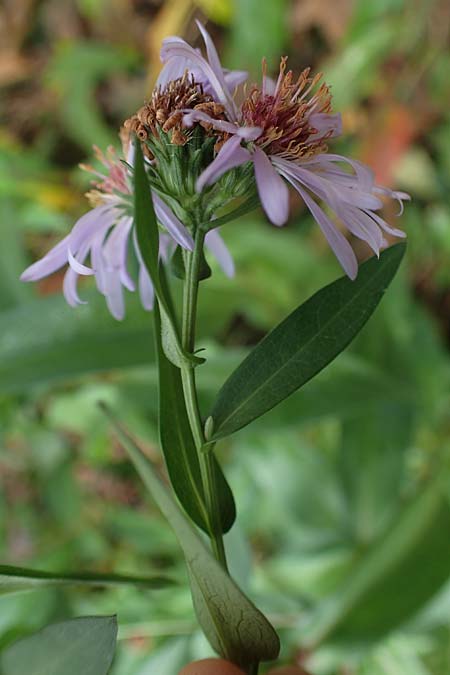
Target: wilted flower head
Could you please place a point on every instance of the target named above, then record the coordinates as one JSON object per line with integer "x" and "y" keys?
{"x": 106, "y": 235}
{"x": 282, "y": 129}
{"x": 164, "y": 112}
{"x": 179, "y": 153}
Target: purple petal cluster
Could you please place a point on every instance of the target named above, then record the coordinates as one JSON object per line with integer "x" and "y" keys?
{"x": 254, "y": 133}
{"x": 105, "y": 235}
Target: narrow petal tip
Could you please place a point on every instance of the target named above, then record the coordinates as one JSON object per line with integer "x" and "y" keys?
{"x": 272, "y": 189}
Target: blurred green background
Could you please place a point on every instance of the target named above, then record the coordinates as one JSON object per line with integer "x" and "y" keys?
{"x": 343, "y": 533}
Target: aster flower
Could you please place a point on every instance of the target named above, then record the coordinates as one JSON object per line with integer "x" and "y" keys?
{"x": 282, "y": 128}
{"x": 215, "y": 80}
{"x": 106, "y": 235}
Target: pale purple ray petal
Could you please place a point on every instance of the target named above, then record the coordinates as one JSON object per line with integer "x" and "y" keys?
{"x": 215, "y": 64}
{"x": 192, "y": 116}
{"x": 384, "y": 226}
{"x": 172, "y": 70}
{"x": 59, "y": 254}
{"x": 173, "y": 226}
{"x": 71, "y": 280}
{"x": 123, "y": 243}
{"x": 211, "y": 52}
{"x": 89, "y": 223}
{"x": 245, "y": 133}
{"x": 94, "y": 244}
{"x": 230, "y": 155}
{"x": 339, "y": 244}
{"x": 234, "y": 78}
{"x": 115, "y": 250}
{"x": 175, "y": 47}
{"x": 399, "y": 196}
{"x": 326, "y": 125}
{"x": 269, "y": 85}
{"x": 327, "y": 187}
{"x": 131, "y": 151}
{"x": 217, "y": 246}
{"x": 364, "y": 173}
{"x": 347, "y": 203}
{"x": 78, "y": 267}
{"x": 272, "y": 190}
{"x": 70, "y": 288}
{"x": 146, "y": 290}
{"x": 361, "y": 225}
{"x": 97, "y": 260}
{"x": 167, "y": 247}
{"x": 249, "y": 133}
{"x": 114, "y": 293}
{"x": 52, "y": 261}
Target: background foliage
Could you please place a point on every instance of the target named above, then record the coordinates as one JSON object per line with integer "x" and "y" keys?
{"x": 343, "y": 491}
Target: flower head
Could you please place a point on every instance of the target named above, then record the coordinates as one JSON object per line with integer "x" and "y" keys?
{"x": 164, "y": 112}
{"x": 291, "y": 122}
{"x": 282, "y": 129}
{"x": 105, "y": 234}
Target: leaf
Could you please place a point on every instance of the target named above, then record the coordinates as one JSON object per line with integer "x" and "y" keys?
{"x": 235, "y": 628}
{"x": 259, "y": 30}
{"x": 84, "y": 645}
{"x": 145, "y": 218}
{"x": 401, "y": 571}
{"x": 148, "y": 240}
{"x": 303, "y": 344}
{"x": 179, "y": 448}
{"x": 76, "y": 69}
{"x": 47, "y": 340}
{"x": 372, "y": 463}
{"x": 12, "y": 259}
{"x": 353, "y": 72}
{"x": 14, "y": 579}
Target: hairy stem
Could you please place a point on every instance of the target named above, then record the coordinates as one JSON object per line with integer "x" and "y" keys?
{"x": 205, "y": 452}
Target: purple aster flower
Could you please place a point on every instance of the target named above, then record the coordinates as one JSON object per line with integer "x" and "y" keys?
{"x": 178, "y": 56}
{"x": 106, "y": 233}
{"x": 282, "y": 127}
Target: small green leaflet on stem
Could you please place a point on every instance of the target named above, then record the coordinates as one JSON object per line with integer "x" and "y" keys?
{"x": 148, "y": 240}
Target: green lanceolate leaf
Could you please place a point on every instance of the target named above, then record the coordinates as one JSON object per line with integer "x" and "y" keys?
{"x": 402, "y": 571}
{"x": 301, "y": 345}
{"x": 144, "y": 217}
{"x": 14, "y": 579}
{"x": 235, "y": 628}
{"x": 148, "y": 240}
{"x": 46, "y": 340}
{"x": 179, "y": 447}
{"x": 85, "y": 645}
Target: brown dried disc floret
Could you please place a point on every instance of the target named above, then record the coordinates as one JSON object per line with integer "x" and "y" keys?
{"x": 164, "y": 111}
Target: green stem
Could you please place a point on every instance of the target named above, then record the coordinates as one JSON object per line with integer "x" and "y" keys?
{"x": 249, "y": 205}
{"x": 205, "y": 452}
